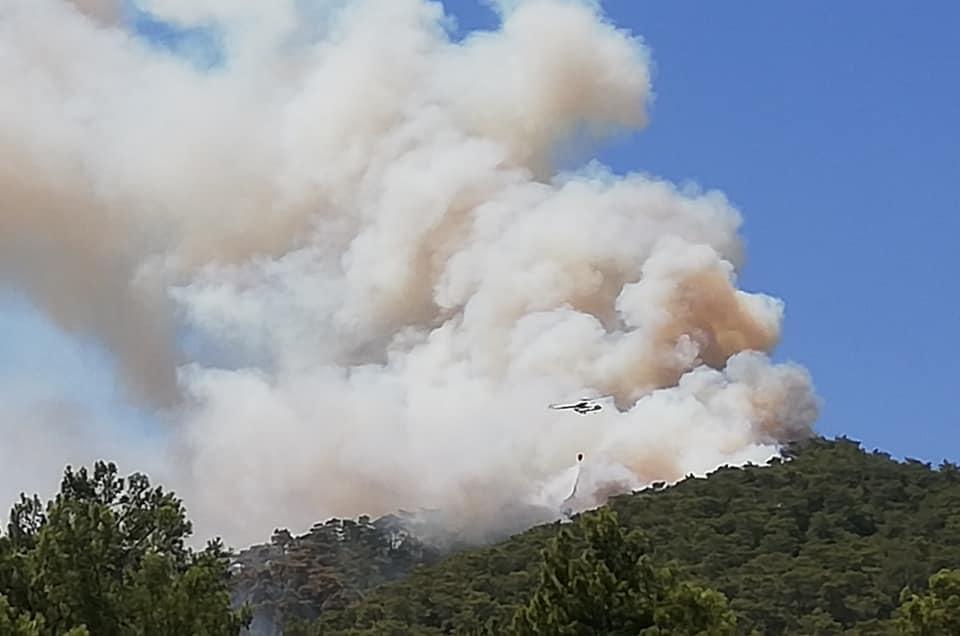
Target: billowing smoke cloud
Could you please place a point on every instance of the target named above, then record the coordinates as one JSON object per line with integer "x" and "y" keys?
{"x": 360, "y": 225}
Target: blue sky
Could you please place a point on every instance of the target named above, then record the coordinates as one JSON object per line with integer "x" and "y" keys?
{"x": 833, "y": 127}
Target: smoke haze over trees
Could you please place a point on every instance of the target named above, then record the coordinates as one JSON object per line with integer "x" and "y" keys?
{"x": 342, "y": 260}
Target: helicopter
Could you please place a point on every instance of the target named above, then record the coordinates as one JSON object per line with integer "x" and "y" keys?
{"x": 583, "y": 406}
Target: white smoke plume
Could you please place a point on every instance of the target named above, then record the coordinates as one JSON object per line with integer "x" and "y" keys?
{"x": 360, "y": 224}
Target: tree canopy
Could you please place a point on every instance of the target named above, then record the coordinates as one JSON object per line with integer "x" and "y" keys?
{"x": 821, "y": 542}
{"x": 108, "y": 556}
{"x": 597, "y": 578}
{"x": 830, "y": 540}
{"x": 935, "y": 613}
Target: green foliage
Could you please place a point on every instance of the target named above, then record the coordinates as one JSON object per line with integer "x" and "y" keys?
{"x": 936, "y": 613}
{"x": 820, "y": 543}
{"x": 599, "y": 579}
{"x": 107, "y": 556}
{"x": 823, "y": 543}
{"x": 14, "y": 623}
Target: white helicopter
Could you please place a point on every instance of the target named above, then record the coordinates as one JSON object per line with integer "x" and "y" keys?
{"x": 584, "y": 406}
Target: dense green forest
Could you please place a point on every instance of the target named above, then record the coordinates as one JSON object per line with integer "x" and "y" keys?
{"x": 822, "y": 542}
{"x": 828, "y": 540}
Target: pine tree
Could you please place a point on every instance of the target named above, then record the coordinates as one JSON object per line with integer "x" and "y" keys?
{"x": 108, "y": 556}
{"x": 598, "y": 579}
{"x": 936, "y": 613}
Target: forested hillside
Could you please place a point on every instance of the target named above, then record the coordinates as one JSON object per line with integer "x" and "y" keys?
{"x": 829, "y": 540}
{"x": 822, "y": 543}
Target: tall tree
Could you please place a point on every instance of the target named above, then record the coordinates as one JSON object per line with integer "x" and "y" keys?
{"x": 108, "y": 556}
{"x": 936, "y": 613}
{"x": 598, "y": 579}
